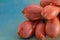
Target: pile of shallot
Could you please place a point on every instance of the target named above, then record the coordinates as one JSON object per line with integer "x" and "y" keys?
{"x": 43, "y": 20}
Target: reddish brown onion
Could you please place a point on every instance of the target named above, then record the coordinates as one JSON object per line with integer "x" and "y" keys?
{"x": 26, "y": 29}
{"x": 33, "y": 12}
{"x": 52, "y": 28}
{"x": 40, "y": 31}
{"x": 44, "y": 3}
{"x": 56, "y": 2}
{"x": 50, "y": 12}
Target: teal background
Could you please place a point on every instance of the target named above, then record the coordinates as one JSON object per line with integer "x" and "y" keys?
{"x": 11, "y": 16}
